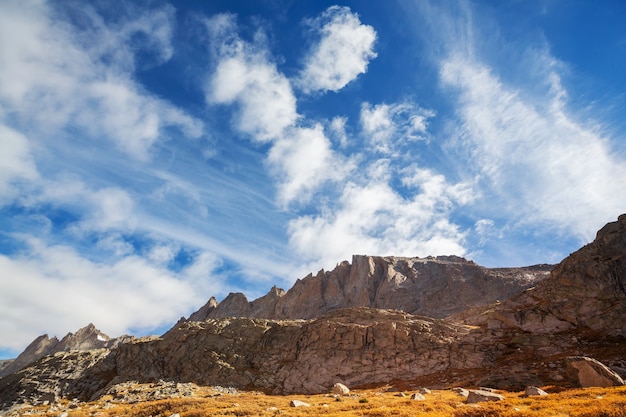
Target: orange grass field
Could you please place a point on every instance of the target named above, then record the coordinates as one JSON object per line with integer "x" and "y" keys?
{"x": 589, "y": 402}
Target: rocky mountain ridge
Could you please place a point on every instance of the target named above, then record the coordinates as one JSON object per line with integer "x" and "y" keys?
{"x": 435, "y": 287}
{"x": 86, "y": 338}
{"x": 528, "y": 339}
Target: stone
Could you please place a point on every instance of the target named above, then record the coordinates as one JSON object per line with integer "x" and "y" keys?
{"x": 298, "y": 403}
{"x": 478, "y": 396}
{"x": 534, "y": 391}
{"x": 423, "y": 390}
{"x": 340, "y": 389}
{"x": 588, "y": 372}
{"x": 417, "y": 397}
{"x": 461, "y": 391}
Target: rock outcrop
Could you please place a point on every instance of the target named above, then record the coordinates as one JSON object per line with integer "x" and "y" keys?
{"x": 587, "y": 291}
{"x": 435, "y": 287}
{"x": 85, "y": 338}
{"x": 588, "y": 372}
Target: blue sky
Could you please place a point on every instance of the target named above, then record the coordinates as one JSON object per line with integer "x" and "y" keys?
{"x": 155, "y": 154}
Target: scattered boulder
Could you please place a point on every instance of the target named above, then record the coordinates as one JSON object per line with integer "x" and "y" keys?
{"x": 534, "y": 391}
{"x": 423, "y": 390}
{"x": 298, "y": 403}
{"x": 479, "y": 396}
{"x": 340, "y": 389}
{"x": 588, "y": 372}
{"x": 417, "y": 397}
{"x": 461, "y": 391}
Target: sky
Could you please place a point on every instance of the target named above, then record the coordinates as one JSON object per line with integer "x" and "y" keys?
{"x": 154, "y": 154}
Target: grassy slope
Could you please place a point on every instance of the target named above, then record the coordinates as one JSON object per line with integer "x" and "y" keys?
{"x": 591, "y": 402}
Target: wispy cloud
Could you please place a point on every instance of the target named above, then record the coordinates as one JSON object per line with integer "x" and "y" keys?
{"x": 388, "y": 127}
{"x": 16, "y": 162}
{"x": 63, "y": 290}
{"x": 59, "y": 76}
{"x": 532, "y": 154}
{"x": 343, "y": 50}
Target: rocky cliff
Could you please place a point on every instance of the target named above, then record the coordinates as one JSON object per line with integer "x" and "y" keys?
{"x": 586, "y": 291}
{"x": 434, "y": 287}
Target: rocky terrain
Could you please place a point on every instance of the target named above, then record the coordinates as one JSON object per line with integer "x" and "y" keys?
{"x": 358, "y": 325}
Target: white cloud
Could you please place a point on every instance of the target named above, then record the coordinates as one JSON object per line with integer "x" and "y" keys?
{"x": 388, "y": 126}
{"x": 303, "y": 161}
{"x": 245, "y": 76}
{"x": 57, "y": 76}
{"x": 16, "y": 161}
{"x": 343, "y": 51}
{"x": 540, "y": 163}
{"x": 337, "y": 129}
{"x": 64, "y": 291}
{"x": 373, "y": 218}
{"x": 112, "y": 209}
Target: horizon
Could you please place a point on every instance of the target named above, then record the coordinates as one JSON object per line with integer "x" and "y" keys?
{"x": 157, "y": 154}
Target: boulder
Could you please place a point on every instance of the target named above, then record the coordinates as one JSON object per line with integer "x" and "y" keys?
{"x": 534, "y": 391}
{"x": 588, "y": 372}
{"x": 298, "y": 403}
{"x": 340, "y": 389}
{"x": 417, "y": 397}
{"x": 479, "y": 396}
{"x": 461, "y": 391}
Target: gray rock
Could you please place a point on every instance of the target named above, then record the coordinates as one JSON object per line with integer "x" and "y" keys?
{"x": 461, "y": 391}
{"x": 417, "y": 397}
{"x": 340, "y": 389}
{"x": 478, "y": 396}
{"x": 534, "y": 391}
{"x": 298, "y": 403}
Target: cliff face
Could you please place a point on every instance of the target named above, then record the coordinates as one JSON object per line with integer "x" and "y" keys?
{"x": 434, "y": 287}
{"x": 585, "y": 291}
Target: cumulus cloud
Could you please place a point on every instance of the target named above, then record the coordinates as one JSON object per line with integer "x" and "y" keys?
{"x": 57, "y": 76}
{"x": 304, "y": 160}
{"x": 541, "y": 165}
{"x": 300, "y": 158}
{"x": 374, "y": 218}
{"x": 129, "y": 294}
{"x": 244, "y": 75}
{"x": 387, "y": 126}
{"x": 342, "y": 52}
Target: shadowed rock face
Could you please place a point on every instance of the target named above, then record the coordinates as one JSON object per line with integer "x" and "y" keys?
{"x": 585, "y": 291}
{"x": 434, "y": 287}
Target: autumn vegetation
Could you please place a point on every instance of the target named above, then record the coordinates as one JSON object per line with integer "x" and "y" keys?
{"x": 589, "y": 402}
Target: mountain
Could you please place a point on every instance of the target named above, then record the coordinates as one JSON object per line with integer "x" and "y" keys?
{"x": 435, "y": 287}
{"x": 85, "y": 338}
{"x": 587, "y": 290}
{"x": 541, "y": 336}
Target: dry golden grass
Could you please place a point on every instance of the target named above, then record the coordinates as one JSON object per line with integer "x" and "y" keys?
{"x": 591, "y": 402}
